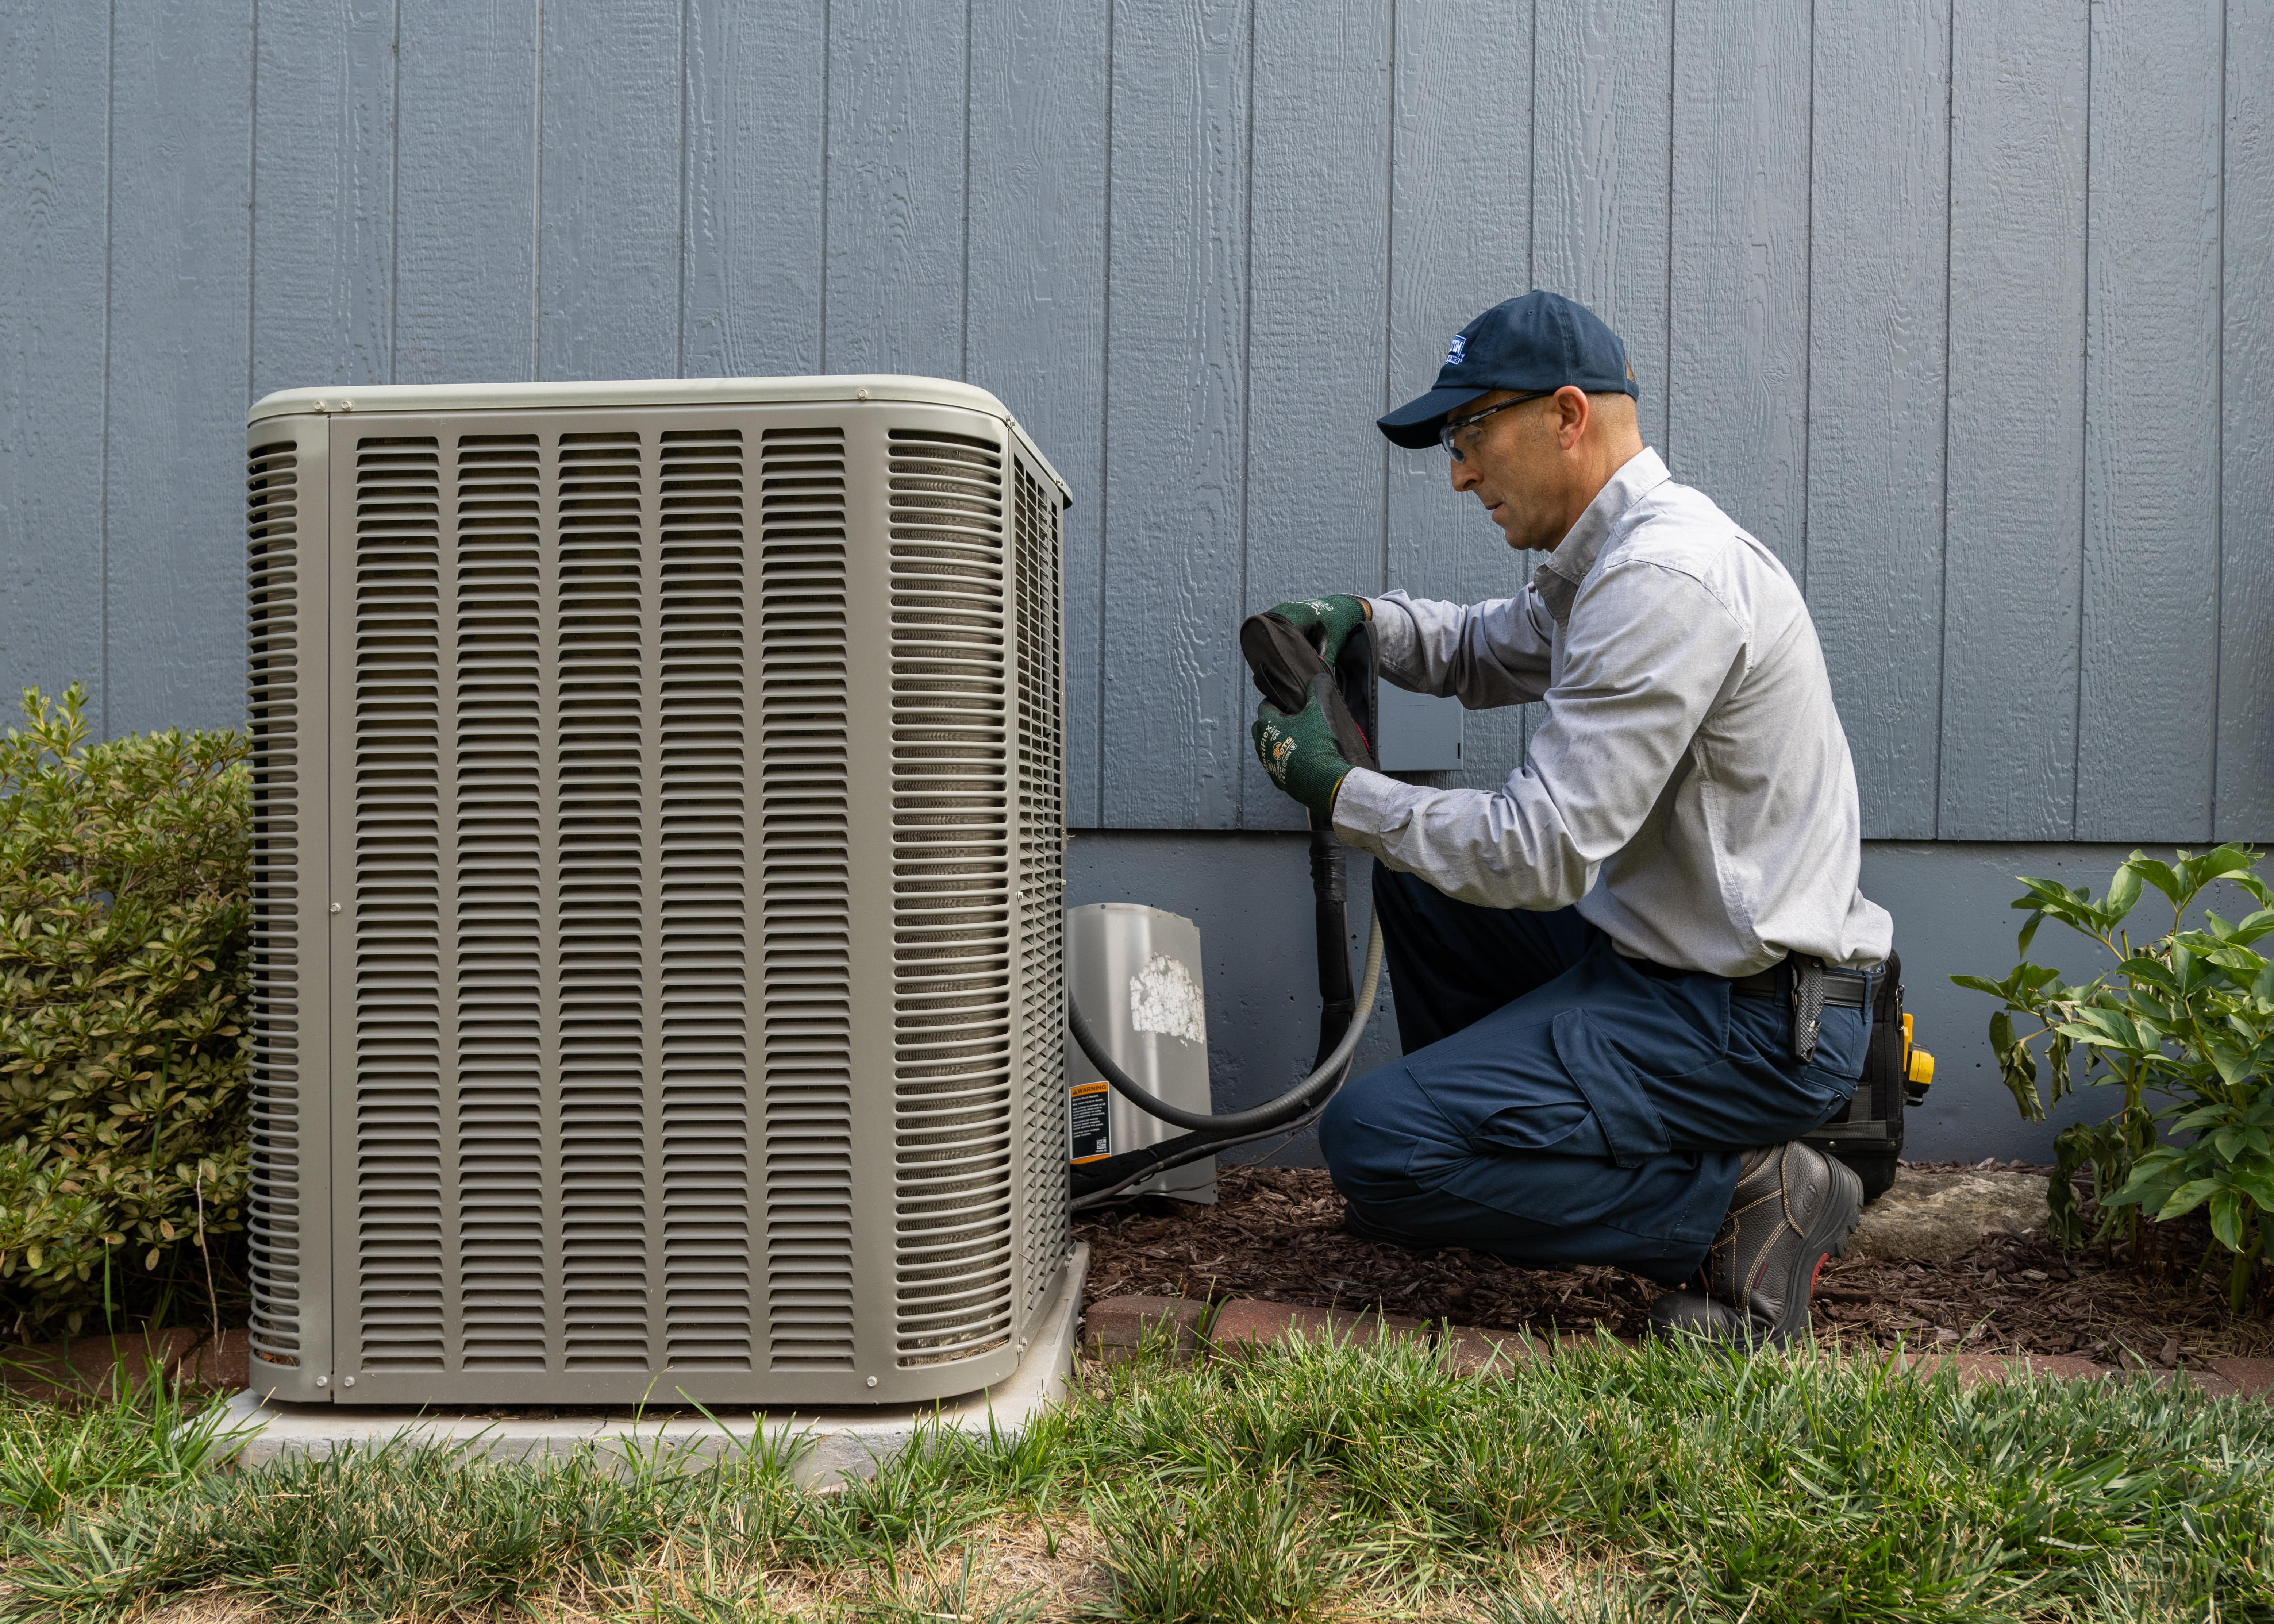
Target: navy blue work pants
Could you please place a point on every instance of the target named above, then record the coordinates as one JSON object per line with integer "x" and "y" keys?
{"x": 1560, "y": 1103}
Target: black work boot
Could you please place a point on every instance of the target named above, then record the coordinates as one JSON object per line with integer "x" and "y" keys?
{"x": 1794, "y": 1207}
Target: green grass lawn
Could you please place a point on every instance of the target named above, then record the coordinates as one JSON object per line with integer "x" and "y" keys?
{"x": 1312, "y": 1482}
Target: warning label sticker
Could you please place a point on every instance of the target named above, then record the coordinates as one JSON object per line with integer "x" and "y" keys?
{"x": 1093, "y": 1137}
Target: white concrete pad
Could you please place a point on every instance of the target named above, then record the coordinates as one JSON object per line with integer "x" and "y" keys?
{"x": 837, "y": 1445}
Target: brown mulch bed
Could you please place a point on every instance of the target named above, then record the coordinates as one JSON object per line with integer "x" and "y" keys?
{"x": 1276, "y": 1234}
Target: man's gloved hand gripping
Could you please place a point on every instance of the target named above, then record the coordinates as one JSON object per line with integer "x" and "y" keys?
{"x": 1300, "y": 752}
{"x": 1326, "y": 621}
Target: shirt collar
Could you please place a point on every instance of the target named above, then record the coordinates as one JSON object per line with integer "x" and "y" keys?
{"x": 1558, "y": 580}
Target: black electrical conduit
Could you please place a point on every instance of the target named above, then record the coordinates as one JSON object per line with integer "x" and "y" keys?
{"x": 1176, "y": 1153}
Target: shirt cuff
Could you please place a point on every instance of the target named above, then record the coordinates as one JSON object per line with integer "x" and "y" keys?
{"x": 1395, "y": 636}
{"x": 1370, "y": 806}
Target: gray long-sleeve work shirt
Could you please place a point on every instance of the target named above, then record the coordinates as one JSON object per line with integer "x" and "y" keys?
{"x": 1690, "y": 788}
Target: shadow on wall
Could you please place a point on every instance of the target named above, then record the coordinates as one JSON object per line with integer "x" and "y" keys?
{"x": 1250, "y": 894}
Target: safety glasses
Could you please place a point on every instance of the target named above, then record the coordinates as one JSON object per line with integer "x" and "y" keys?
{"x": 1449, "y": 433}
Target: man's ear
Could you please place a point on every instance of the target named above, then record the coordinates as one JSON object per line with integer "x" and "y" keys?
{"x": 1573, "y": 410}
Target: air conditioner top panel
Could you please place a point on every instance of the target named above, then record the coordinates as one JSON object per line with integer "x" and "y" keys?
{"x": 849, "y": 389}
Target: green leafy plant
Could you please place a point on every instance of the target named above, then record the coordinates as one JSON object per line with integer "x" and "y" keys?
{"x": 2188, "y": 1018}
{"x": 124, "y": 899}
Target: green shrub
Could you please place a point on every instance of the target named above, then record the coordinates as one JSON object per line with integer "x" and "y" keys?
{"x": 2188, "y": 1017}
{"x": 124, "y": 897}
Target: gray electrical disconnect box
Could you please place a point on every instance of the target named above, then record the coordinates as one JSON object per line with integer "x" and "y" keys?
{"x": 1420, "y": 733}
{"x": 658, "y": 892}
{"x": 1136, "y": 972}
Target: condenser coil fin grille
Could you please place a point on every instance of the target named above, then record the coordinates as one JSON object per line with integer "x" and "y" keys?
{"x": 706, "y": 988}
{"x": 952, "y": 1142}
{"x": 806, "y": 956}
{"x": 279, "y": 1142}
{"x": 503, "y": 788}
{"x": 1041, "y": 765}
{"x": 604, "y": 955}
{"x": 399, "y": 861}
{"x": 554, "y": 901}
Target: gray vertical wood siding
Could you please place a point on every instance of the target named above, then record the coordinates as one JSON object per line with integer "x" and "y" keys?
{"x": 1962, "y": 306}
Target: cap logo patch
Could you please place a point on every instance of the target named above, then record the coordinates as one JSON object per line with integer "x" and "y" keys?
{"x": 1458, "y": 348}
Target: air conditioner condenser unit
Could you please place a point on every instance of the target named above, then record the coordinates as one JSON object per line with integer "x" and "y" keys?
{"x": 658, "y": 868}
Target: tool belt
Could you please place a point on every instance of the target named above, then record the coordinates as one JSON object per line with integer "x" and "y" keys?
{"x": 1806, "y": 984}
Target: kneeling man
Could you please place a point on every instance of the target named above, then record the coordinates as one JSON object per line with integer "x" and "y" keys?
{"x": 1630, "y": 979}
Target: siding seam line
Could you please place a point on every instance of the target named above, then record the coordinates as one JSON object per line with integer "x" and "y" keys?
{"x": 1247, "y": 399}
{"x": 1532, "y": 185}
{"x": 1808, "y": 311}
{"x": 685, "y": 146}
{"x": 537, "y": 204}
{"x": 828, "y": 59}
{"x": 2085, "y": 457}
{"x": 1104, "y": 427}
{"x": 1389, "y": 279}
{"x": 1942, "y": 580}
{"x": 1673, "y": 77}
{"x": 2218, "y": 448}
{"x": 394, "y": 195}
{"x": 110, "y": 292}
{"x": 963, "y": 338}
{"x": 1527, "y": 716}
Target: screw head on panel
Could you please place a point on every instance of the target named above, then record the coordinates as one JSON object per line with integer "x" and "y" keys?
{"x": 323, "y": 1381}
{"x": 861, "y": 395}
{"x": 336, "y": 908}
{"x": 347, "y": 1381}
{"x": 872, "y": 1382}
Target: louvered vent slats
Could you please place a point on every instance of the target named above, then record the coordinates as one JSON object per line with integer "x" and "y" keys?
{"x": 1041, "y": 881}
{"x": 501, "y": 910}
{"x": 953, "y": 1143}
{"x": 603, "y": 902}
{"x": 398, "y": 857}
{"x": 806, "y": 951}
{"x": 704, "y": 981}
{"x": 280, "y": 1148}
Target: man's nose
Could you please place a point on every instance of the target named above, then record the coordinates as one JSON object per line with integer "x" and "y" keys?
{"x": 1464, "y": 476}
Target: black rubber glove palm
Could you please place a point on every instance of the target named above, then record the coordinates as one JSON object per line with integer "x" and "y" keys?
{"x": 1325, "y": 621}
{"x": 1299, "y": 751}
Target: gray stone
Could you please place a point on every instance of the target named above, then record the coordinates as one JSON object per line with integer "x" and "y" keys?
{"x": 832, "y": 1445}
{"x": 1932, "y": 1217}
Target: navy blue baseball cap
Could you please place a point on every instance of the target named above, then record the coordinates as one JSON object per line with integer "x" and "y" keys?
{"x": 1534, "y": 344}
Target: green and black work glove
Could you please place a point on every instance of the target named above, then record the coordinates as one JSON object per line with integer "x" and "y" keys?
{"x": 1324, "y": 621}
{"x": 1300, "y": 752}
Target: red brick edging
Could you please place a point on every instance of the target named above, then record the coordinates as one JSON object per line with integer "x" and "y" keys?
{"x": 1115, "y": 1328}
{"x": 90, "y": 1367}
